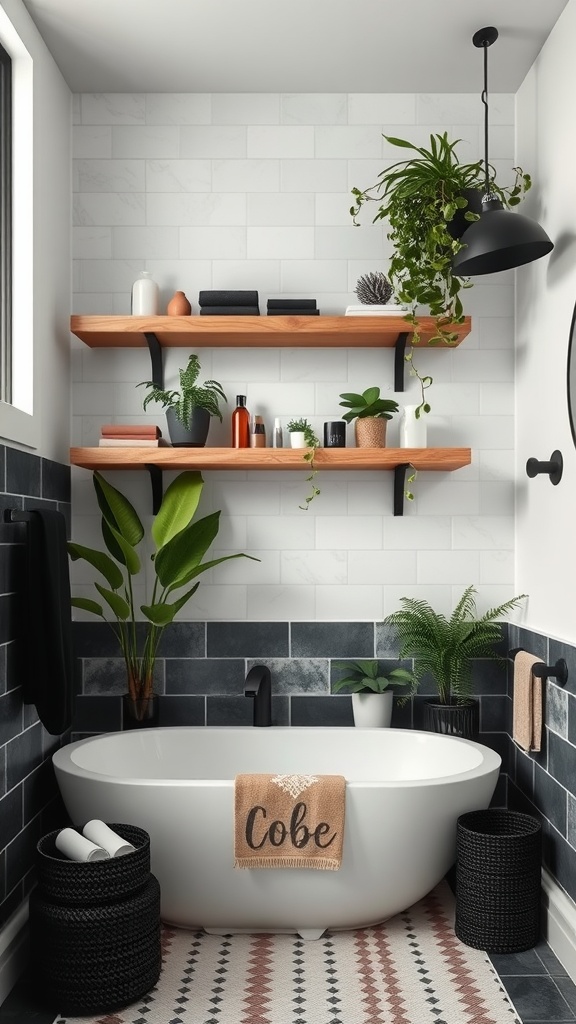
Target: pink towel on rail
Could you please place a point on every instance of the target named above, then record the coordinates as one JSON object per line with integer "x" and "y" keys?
{"x": 527, "y": 703}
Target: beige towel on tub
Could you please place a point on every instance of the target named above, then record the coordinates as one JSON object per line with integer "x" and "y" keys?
{"x": 289, "y": 821}
{"x": 527, "y": 703}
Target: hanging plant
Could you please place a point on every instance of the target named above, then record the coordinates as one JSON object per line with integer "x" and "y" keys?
{"x": 421, "y": 198}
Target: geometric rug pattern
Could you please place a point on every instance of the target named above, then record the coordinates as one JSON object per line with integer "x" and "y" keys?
{"x": 411, "y": 969}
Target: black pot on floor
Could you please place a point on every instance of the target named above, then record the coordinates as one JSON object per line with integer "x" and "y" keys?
{"x": 192, "y": 436}
{"x": 453, "y": 719}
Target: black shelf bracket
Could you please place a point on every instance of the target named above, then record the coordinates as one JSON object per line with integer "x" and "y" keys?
{"x": 399, "y": 487}
{"x": 400, "y": 360}
{"x": 155, "y": 358}
{"x": 157, "y": 486}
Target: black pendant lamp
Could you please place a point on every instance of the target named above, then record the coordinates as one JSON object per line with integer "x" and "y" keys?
{"x": 500, "y": 239}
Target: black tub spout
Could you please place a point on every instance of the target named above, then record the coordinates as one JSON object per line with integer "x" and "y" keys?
{"x": 258, "y": 685}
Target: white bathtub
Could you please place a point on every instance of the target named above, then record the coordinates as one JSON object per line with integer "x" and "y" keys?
{"x": 405, "y": 790}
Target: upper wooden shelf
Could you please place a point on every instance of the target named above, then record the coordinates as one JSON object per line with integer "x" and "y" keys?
{"x": 443, "y": 459}
{"x": 252, "y": 331}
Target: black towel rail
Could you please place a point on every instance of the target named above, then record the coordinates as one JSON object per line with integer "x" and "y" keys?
{"x": 558, "y": 671}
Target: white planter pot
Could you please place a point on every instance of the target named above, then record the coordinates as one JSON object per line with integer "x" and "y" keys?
{"x": 372, "y": 710}
{"x": 413, "y": 432}
{"x": 297, "y": 439}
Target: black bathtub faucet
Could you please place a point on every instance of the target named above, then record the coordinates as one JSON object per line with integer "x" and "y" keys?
{"x": 258, "y": 685}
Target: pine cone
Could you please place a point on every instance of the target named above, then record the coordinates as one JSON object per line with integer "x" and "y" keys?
{"x": 374, "y": 289}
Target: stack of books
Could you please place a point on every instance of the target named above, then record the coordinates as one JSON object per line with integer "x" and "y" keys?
{"x": 131, "y": 435}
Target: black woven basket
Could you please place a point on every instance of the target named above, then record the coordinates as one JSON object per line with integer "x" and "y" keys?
{"x": 71, "y": 882}
{"x": 498, "y": 869}
{"x": 96, "y": 959}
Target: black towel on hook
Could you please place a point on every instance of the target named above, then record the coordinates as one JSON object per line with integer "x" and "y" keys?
{"x": 48, "y": 662}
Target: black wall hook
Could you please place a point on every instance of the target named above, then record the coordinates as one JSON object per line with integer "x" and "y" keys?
{"x": 553, "y": 468}
{"x": 559, "y": 671}
{"x": 16, "y": 515}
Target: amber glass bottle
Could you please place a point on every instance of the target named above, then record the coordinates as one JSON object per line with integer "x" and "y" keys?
{"x": 240, "y": 424}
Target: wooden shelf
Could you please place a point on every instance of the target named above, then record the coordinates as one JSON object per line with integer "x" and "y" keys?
{"x": 252, "y": 331}
{"x": 437, "y": 459}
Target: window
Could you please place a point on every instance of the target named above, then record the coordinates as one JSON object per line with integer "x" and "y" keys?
{"x": 5, "y": 226}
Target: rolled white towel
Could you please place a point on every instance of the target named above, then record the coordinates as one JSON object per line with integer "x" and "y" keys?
{"x": 98, "y": 832}
{"x": 77, "y": 847}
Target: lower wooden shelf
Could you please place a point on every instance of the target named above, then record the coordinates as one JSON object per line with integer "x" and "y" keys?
{"x": 440, "y": 459}
{"x": 155, "y": 460}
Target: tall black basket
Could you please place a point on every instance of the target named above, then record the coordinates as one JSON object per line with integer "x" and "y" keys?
{"x": 95, "y": 927}
{"x": 498, "y": 879}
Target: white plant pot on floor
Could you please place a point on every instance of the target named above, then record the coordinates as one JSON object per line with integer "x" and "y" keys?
{"x": 372, "y": 710}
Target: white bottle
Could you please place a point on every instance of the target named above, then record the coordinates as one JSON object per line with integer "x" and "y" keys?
{"x": 145, "y": 295}
{"x": 412, "y": 431}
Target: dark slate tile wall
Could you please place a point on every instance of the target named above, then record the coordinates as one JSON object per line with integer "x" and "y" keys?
{"x": 29, "y": 801}
{"x": 202, "y": 669}
{"x": 544, "y": 783}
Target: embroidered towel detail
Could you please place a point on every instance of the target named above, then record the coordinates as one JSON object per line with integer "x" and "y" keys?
{"x": 289, "y": 821}
{"x": 527, "y": 703}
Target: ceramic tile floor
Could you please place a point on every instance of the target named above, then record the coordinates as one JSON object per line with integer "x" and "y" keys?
{"x": 537, "y": 983}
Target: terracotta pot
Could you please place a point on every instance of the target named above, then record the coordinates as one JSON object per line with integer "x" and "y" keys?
{"x": 178, "y": 305}
{"x": 370, "y": 432}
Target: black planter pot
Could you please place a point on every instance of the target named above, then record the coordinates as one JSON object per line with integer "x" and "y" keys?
{"x": 192, "y": 436}
{"x": 453, "y": 719}
{"x": 140, "y": 714}
{"x": 457, "y": 226}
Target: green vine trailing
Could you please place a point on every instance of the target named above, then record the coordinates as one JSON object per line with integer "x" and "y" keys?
{"x": 312, "y": 443}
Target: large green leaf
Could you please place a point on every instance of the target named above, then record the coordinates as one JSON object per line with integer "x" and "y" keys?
{"x": 199, "y": 569}
{"x": 117, "y": 510}
{"x": 87, "y": 605}
{"x": 162, "y": 614}
{"x": 178, "y": 507}
{"x": 186, "y": 550}
{"x": 121, "y": 549}
{"x": 100, "y": 560}
{"x": 119, "y": 606}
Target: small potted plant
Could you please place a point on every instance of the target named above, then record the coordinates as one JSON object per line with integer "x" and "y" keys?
{"x": 302, "y": 435}
{"x": 188, "y": 410}
{"x": 372, "y": 691}
{"x": 444, "y": 648}
{"x": 371, "y": 414}
{"x": 180, "y": 544}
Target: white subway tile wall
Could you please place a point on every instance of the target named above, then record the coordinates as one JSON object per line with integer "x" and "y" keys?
{"x": 252, "y": 191}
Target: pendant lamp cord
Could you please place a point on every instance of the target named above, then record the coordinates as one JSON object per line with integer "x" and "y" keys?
{"x": 485, "y": 102}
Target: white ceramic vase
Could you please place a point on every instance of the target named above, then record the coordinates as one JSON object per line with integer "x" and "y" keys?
{"x": 297, "y": 439}
{"x": 145, "y": 295}
{"x": 372, "y": 710}
{"x": 413, "y": 432}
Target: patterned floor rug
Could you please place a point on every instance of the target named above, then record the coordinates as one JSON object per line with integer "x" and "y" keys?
{"x": 410, "y": 970}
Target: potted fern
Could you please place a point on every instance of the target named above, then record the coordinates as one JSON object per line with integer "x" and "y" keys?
{"x": 444, "y": 649}
{"x": 188, "y": 410}
{"x": 372, "y": 690}
{"x": 179, "y": 545}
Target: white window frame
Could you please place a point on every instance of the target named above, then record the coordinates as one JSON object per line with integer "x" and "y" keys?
{"x": 19, "y": 420}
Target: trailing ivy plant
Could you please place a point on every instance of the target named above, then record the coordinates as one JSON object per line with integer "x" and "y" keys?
{"x": 312, "y": 443}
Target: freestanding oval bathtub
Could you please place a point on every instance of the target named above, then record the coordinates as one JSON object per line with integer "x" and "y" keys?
{"x": 404, "y": 792}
